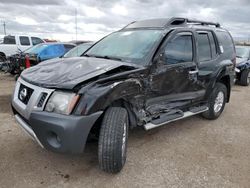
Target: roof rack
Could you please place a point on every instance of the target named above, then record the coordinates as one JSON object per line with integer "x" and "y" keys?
{"x": 178, "y": 21}
{"x": 164, "y": 23}
{"x": 203, "y": 22}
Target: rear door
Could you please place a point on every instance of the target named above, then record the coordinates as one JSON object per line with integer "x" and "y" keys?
{"x": 208, "y": 54}
{"x": 175, "y": 76}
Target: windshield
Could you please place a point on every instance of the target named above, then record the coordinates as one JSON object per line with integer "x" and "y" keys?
{"x": 242, "y": 52}
{"x": 36, "y": 49}
{"x": 78, "y": 51}
{"x": 131, "y": 46}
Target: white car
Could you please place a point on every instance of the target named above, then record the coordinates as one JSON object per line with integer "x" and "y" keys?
{"x": 11, "y": 44}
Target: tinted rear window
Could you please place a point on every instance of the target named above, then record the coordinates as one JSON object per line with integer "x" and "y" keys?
{"x": 204, "y": 47}
{"x": 226, "y": 41}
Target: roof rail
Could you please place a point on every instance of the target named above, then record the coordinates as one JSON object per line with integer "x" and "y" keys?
{"x": 178, "y": 21}
{"x": 203, "y": 22}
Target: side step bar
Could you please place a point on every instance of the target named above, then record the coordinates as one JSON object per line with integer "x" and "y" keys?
{"x": 151, "y": 125}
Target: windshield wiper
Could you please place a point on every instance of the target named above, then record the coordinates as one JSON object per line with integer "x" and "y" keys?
{"x": 239, "y": 56}
{"x": 104, "y": 57}
{"x": 110, "y": 57}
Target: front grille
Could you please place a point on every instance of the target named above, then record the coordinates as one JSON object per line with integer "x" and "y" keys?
{"x": 42, "y": 100}
{"x": 24, "y": 94}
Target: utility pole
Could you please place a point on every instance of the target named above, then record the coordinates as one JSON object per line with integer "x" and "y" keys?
{"x": 76, "y": 22}
{"x": 4, "y": 27}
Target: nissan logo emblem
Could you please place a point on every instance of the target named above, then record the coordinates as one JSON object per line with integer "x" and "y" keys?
{"x": 23, "y": 94}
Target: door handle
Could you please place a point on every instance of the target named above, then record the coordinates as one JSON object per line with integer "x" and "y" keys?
{"x": 193, "y": 71}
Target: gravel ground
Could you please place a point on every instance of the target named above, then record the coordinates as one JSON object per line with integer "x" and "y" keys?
{"x": 189, "y": 153}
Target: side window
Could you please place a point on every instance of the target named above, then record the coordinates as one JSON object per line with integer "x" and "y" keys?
{"x": 36, "y": 40}
{"x": 226, "y": 41}
{"x": 204, "y": 50}
{"x": 24, "y": 41}
{"x": 179, "y": 50}
{"x": 9, "y": 40}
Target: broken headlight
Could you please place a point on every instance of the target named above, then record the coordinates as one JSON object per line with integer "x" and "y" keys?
{"x": 62, "y": 102}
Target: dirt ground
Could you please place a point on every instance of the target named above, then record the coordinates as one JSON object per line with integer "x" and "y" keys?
{"x": 189, "y": 153}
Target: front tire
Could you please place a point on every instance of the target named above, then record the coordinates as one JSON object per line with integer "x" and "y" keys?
{"x": 245, "y": 78}
{"x": 217, "y": 101}
{"x": 112, "y": 146}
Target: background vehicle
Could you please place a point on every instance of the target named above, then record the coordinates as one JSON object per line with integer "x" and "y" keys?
{"x": 78, "y": 50}
{"x": 14, "y": 43}
{"x": 37, "y": 54}
{"x": 150, "y": 73}
{"x": 243, "y": 65}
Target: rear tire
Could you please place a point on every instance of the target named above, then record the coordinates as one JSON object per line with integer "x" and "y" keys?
{"x": 216, "y": 102}
{"x": 245, "y": 78}
{"x": 2, "y": 58}
{"x": 112, "y": 146}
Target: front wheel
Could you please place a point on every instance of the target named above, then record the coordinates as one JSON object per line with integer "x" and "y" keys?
{"x": 216, "y": 102}
{"x": 112, "y": 146}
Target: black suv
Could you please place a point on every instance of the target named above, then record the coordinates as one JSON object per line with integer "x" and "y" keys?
{"x": 147, "y": 74}
{"x": 243, "y": 65}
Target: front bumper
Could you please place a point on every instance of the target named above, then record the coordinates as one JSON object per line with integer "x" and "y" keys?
{"x": 58, "y": 133}
{"x": 55, "y": 132}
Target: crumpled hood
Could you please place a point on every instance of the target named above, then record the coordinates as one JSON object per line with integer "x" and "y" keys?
{"x": 66, "y": 73}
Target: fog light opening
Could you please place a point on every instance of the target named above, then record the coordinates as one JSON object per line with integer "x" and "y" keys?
{"x": 54, "y": 140}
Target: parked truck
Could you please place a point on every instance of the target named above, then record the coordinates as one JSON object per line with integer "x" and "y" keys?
{"x": 11, "y": 44}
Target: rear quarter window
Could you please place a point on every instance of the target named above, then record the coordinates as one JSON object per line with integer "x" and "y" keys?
{"x": 226, "y": 41}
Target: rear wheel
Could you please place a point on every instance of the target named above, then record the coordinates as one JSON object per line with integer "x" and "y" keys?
{"x": 217, "y": 102}
{"x": 2, "y": 58}
{"x": 245, "y": 78}
{"x": 112, "y": 147}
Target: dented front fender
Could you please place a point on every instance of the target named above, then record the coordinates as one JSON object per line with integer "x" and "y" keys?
{"x": 100, "y": 96}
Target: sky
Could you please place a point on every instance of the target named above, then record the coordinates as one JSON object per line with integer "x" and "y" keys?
{"x": 55, "y": 19}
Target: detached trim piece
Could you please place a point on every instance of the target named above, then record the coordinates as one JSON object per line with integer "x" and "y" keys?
{"x": 27, "y": 129}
